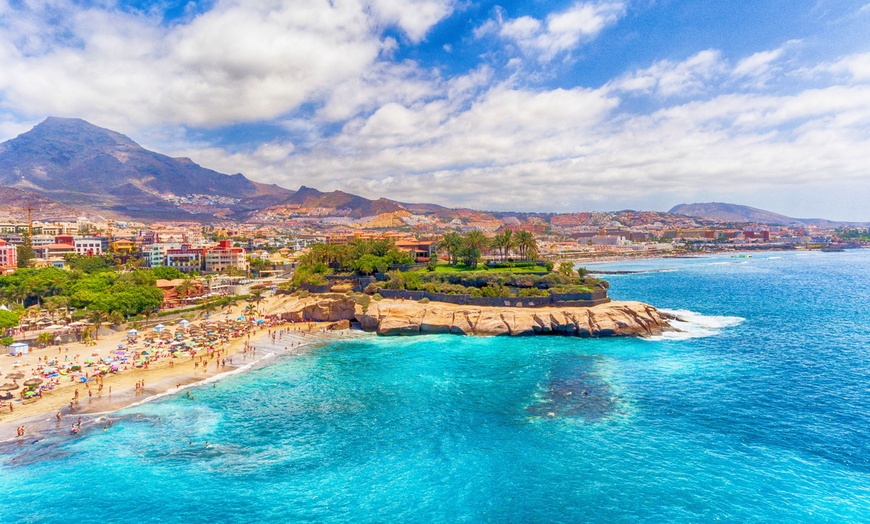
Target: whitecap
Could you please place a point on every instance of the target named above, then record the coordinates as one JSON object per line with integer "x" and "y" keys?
{"x": 690, "y": 324}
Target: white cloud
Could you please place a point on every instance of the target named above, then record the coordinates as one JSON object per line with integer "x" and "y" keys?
{"x": 758, "y": 63}
{"x": 668, "y": 78}
{"x": 240, "y": 61}
{"x": 559, "y": 32}
{"x": 415, "y": 17}
{"x": 510, "y": 148}
{"x": 856, "y": 66}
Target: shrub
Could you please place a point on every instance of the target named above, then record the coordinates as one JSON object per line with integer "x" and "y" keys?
{"x": 377, "y": 297}
{"x": 423, "y": 300}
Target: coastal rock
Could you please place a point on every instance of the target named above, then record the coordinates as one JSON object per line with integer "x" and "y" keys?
{"x": 402, "y": 318}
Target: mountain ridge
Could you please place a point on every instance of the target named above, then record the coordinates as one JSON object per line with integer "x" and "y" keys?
{"x": 79, "y": 164}
{"x": 727, "y": 212}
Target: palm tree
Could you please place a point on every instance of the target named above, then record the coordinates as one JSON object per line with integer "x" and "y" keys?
{"x": 97, "y": 318}
{"x": 257, "y": 297}
{"x": 474, "y": 244}
{"x": 504, "y": 243}
{"x": 527, "y": 245}
{"x": 45, "y": 338}
{"x": 452, "y": 243}
{"x": 186, "y": 288}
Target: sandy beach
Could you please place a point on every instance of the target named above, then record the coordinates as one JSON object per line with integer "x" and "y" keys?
{"x": 134, "y": 385}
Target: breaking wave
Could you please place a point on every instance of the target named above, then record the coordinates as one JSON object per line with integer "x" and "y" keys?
{"x": 690, "y": 324}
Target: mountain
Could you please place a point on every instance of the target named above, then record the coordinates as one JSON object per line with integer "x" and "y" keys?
{"x": 80, "y": 164}
{"x": 308, "y": 199}
{"x": 737, "y": 213}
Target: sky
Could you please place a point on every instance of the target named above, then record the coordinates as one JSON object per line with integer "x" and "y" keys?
{"x": 535, "y": 105}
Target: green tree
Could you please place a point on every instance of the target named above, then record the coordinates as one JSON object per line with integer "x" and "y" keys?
{"x": 527, "y": 245}
{"x": 473, "y": 246}
{"x": 257, "y": 265}
{"x": 166, "y": 273}
{"x": 368, "y": 264}
{"x": 97, "y": 318}
{"x": 186, "y": 288}
{"x": 452, "y": 243}
{"x": 7, "y": 341}
{"x": 257, "y": 296}
{"x": 504, "y": 243}
{"x": 56, "y": 303}
{"x": 89, "y": 264}
{"x": 45, "y": 338}
{"x": 566, "y": 268}
{"x": 25, "y": 251}
{"x": 8, "y": 319}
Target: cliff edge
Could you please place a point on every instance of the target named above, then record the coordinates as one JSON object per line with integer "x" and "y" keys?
{"x": 395, "y": 317}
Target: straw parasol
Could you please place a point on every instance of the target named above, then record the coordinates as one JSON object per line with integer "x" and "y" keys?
{"x": 9, "y": 387}
{"x": 15, "y": 376}
{"x": 33, "y": 381}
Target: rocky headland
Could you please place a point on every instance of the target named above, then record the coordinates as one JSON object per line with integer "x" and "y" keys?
{"x": 396, "y": 317}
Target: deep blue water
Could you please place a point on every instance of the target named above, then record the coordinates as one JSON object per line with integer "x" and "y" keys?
{"x": 760, "y": 413}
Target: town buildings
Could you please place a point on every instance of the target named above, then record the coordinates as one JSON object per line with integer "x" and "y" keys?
{"x": 8, "y": 258}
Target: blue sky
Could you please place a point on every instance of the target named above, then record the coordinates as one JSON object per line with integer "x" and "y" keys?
{"x": 527, "y": 105}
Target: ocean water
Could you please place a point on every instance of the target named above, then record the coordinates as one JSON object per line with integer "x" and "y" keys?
{"x": 758, "y": 412}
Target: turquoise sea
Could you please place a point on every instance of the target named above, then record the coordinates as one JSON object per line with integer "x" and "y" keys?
{"x": 758, "y": 412}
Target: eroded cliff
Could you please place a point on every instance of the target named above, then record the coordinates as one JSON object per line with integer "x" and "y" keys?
{"x": 395, "y": 317}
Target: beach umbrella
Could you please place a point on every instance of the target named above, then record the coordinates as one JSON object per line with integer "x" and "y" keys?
{"x": 133, "y": 332}
{"x": 159, "y": 327}
{"x": 15, "y": 376}
{"x": 33, "y": 382}
{"x": 9, "y": 387}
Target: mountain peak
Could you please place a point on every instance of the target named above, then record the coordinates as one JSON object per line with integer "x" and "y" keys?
{"x": 76, "y": 131}
{"x": 81, "y": 164}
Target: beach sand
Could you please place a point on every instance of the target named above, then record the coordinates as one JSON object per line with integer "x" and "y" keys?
{"x": 120, "y": 390}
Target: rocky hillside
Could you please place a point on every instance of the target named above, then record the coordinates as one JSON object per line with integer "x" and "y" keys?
{"x": 80, "y": 164}
{"x": 393, "y": 317}
{"x": 14, "y": 202}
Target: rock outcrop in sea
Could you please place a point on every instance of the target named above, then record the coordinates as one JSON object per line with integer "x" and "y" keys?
{"x": 395, "y": 317}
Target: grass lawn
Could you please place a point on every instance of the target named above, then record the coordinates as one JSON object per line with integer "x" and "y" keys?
{"x": 444, "y": 268}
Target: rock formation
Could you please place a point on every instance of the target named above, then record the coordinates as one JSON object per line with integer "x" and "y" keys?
{"x": 394, "y": 317}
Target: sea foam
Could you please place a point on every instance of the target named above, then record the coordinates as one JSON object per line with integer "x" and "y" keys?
{"x": 691, "y": 324}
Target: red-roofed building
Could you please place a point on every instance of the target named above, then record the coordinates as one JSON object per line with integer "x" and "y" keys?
{"x": 225, "y": 255}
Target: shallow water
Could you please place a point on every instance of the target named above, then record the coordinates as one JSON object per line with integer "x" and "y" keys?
{"x": 757, "y": 413}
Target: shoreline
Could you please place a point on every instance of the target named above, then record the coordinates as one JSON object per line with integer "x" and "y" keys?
{"x": 122, "y": 389}
{"x": 43, "y": 424}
